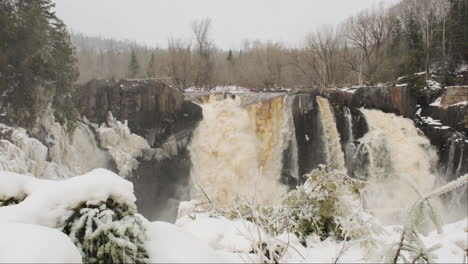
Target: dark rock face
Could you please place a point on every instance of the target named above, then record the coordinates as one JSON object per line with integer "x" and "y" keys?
{"x": 311, "y": 151}
{"x": 398, "y": 100}
{"x": 160, "y": 114}
{"x": 153, "y": 109}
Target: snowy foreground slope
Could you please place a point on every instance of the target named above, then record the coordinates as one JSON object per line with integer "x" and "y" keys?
{"x": 30, "y": 228}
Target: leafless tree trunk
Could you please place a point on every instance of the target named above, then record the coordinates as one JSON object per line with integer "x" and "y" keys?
{"x": 204, "y": 46}
{"x": 324, "y": 44}
{"x": 369, "y": 31}
{"x": 179, "y": 62}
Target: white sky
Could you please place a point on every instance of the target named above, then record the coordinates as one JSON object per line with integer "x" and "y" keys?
{"x": 152, "y": 22}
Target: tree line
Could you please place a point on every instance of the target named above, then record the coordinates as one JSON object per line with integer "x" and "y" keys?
{"x": 376, "y": 45}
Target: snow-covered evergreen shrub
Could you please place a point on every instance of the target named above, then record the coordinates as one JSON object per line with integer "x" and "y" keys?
{"x": 108, "y": 232}
{"x": 326, "y": 205}
{"x": 10, "y": 201}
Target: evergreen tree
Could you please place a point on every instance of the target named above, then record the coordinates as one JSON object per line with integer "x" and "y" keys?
{"x": 395, "y": 49}
{"x": 458, "y": 33}
{"x": 134, "y": 66}
{"x": 415, "y": 50}
{"x": 230, "y": 57}
{"x": 151, "y": 68}
{"x": 36, "y": 58}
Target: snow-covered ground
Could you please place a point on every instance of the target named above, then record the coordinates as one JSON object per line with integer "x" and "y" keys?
{"x": 208, "y": 239}
{"x": 220, "y": 89}
{"x": 194, "y": 238}
{"x": 198, "y": 237}
{"x": 25, "y": 243}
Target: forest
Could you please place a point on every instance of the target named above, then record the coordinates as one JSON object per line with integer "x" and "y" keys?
{"x": 376, "y": 45}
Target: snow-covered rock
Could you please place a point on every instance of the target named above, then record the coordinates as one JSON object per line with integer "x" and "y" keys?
{"x": 123, "y": 145}
{"x": 436, "y": 102}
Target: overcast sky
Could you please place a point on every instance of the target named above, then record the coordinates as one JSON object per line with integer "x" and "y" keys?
{"x": 152, "y": 22}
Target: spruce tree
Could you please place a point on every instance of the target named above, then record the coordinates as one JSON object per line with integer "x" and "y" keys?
{"x": 151, "y": 68}
{"x": 36, "y": 58}
{"x": 134, "y": 66}
{"x": 396, "y": 48}
{"x": 229, "y": 57}
{"x": 415, "y": 55}
{"x": 458, "y": 33}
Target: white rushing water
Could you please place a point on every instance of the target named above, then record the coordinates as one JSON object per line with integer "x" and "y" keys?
{"x": 331, "y": 137}
{"x": 237, "y": 152}
{"x": 349, "y": 124}
{"x": 400, "y": 160}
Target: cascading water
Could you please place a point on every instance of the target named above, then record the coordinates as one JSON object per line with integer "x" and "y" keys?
{"x": 289, "y": 137}
{"x": 238, "y": 151}
{"x": 275, "y": 132}
{"x": 333, "y": 151}
{"x": 225, "y": 157}
{"x": 349, "y": 124}
{"x": 399, "y": 161}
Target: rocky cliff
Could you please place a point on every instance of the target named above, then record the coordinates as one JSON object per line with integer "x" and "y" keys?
{"x": 162, "y": 116}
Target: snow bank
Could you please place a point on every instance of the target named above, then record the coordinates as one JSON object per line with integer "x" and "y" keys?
{"x": 222, "y": 233}
{"x": 23, "y": 243}
{"x": 123, "y": 146}
{"x": 167, "y": 243}
{"x": 49, "y": 203}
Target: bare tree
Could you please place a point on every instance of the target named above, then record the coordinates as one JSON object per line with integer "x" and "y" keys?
{"x": 204, "y": 48}
{"x": 442, "y": 11}
{"x": 275, "y": 63}
{"x": 427, "y": 19}
{"x": 179, "y": 61}
{"x": 323, "y": 45}
{"x": 369, "y": 31}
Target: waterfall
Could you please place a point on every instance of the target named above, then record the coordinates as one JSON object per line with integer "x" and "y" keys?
{"x": 274, "y": 128}
{"x": 460, "y": 163}
{"x": 450, "y": 161}
{"x": 400, "y": 159}
{"x": 289, "y": 134}
{"x": 331, "y": 137}
{"x": 349, "y": 124}
{"x": 235, "y": 152}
